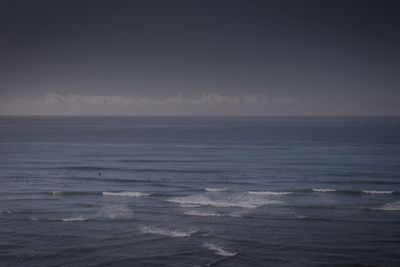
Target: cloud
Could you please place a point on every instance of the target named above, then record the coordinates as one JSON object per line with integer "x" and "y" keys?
{"x": 206, "y": 104}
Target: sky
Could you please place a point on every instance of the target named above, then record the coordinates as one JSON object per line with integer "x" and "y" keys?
{"x": 204, "y": 57}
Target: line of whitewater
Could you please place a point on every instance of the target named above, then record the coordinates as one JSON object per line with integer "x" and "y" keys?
{"x": 269, "y": 193}
{"x": 58, "y": 193}
{"x": 219, "y": 250}
{"x": 166, "y": 232}
{"x": 208, "y": 189}
{"x": 125, "y": 194}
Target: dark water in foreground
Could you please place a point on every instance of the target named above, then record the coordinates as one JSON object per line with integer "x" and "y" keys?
{"x": 199, "y": 191}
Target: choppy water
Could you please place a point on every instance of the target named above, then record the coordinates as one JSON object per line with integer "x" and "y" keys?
{"x": 199, "y": 191}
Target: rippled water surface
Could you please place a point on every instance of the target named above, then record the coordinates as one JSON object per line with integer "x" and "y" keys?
{"x": 119, "y": 191}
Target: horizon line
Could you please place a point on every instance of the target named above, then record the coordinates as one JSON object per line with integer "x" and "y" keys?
{"x": 217, "y": 116}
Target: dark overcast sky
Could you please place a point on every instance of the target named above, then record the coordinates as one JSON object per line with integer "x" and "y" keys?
{"x": 328, "y": 51}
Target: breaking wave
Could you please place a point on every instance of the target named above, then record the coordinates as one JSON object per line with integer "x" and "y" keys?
{"x": 116, "y": 212}
{"x": 377, "y": 192}
{"x": 124, "y": 194}
{"x": 8, "y": 212}
{"x": 215, "y": 189}
{"x": 233, "y": 201}
{"x": 74, "y": 219}
{"x": 219, "y": 250}
{"x": 165, "y": 232}
{"x": 55, "y": 193}
{"x": 187, "y": 205}
{"x": 203, "y": 214}
{"x": 392, "y": 206}
{"x": 269, "y": 193}
{"x": 209, "y": 214}
{"x": 324, "y": 190}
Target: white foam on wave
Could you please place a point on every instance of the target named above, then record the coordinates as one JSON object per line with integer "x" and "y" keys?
{"x": 233, "y": 201}
{"x": 9, "y": 212}
{"x": 203, "y": 214}
{"x": 235, "y": 215}
{"x": 74, "y": 219}
{"x": 166, "y": 232}
{"x": 185, "y": 205}
{"x": 209, "y": 214}
{"x": 124, "y": 194}
{"x": 269, "y": 193}
{"x": 377, "y": 192}
{"x": 214, "y": 189}
{"x": 324, "y": 190}
{"x": 392, "y": 206}
{"x": 55, "y": 193}
{"x": 219, "y": 250}
{"x": 116, "y": 212}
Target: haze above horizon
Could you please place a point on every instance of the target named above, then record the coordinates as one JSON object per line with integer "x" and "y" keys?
{"x": 200, "y": 58}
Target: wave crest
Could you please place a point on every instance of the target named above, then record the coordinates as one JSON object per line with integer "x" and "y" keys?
{"x": 203, "y": 214}
{"x": 124, "y": 194}
{"x": 116, "y": 212}
{"x": 233, "y": 201}
{"x": 269, "y": 193}
{"x": 75, "y": 219}
{"x": 378, "y": 192}
{"x": 392, "y": 206}
{"x": 165, "y": 232}
{"x": 219, "y": 250}
{"x": 214, "y": 189}
{"x": 55, "y": 193}
{"x": 324, "y": 190}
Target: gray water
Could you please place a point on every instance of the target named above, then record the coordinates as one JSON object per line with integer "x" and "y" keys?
{"x": 115, "y": 191}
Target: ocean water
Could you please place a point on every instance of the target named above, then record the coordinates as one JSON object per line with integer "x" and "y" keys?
{"x": 148, "y": 191}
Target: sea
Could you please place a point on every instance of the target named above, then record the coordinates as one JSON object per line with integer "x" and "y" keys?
{"x": 199, "y": 191}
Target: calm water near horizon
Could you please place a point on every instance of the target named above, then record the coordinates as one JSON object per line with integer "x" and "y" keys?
{"x": 184, "y": 191}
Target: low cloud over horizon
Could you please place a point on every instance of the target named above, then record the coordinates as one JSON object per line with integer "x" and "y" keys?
{"x": 53, "y": 104}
